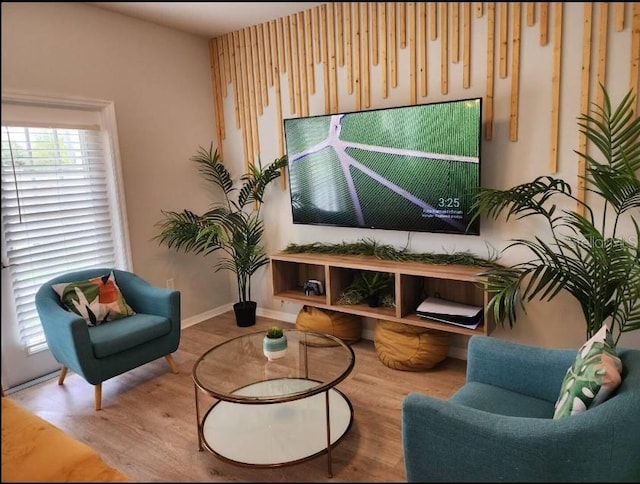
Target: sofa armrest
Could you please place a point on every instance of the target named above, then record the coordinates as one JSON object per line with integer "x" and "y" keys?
{"x": 444, "y": 441}
{"x": 146, "y": 298}
{"x": 529, "y": 370}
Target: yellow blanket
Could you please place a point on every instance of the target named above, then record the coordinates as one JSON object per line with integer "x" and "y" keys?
{"x": 36, "y": 451}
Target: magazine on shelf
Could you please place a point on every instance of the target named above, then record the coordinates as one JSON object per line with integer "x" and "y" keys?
{"x": 450, "y": 312}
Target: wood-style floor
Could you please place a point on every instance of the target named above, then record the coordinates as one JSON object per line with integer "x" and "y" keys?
{"x": 147, "y": 425}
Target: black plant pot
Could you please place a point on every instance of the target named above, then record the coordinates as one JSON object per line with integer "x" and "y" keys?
{"x": 245, "y": 313}
{"x": 373, "y": 301}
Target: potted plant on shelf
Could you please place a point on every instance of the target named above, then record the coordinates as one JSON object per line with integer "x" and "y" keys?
{"x": 370, "y": 286}
{"x": 588, "y": 255}
{"x": 233, "y": 228}
{"x": 274, "y": 344}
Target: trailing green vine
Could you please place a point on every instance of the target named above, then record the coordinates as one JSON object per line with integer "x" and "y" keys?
{"x": 369, "y": 247}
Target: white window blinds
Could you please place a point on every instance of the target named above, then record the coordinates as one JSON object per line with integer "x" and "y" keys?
{"x": 56, "y": 211}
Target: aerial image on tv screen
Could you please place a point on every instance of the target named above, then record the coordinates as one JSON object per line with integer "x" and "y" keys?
{"x": 414, "y": 168}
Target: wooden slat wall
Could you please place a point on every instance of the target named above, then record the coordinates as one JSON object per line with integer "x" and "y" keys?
{"x": 356, "y": 36}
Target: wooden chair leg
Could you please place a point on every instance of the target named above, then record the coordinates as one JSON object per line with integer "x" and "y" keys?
{"x": 172, "y": 364}
{"x": 98, "y": 396}
{"x": 63, "y": 374}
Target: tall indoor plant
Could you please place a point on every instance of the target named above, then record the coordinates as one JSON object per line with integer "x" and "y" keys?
{"x": 587, "y": 255}
{"x": 233, "y": 227}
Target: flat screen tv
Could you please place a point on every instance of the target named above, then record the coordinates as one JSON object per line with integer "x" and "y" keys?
{"x": 412, "y": 168}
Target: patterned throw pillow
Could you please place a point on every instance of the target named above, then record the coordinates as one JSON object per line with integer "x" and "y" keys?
{"x": 97, "y": 300}
{"x": 595, "y": 374}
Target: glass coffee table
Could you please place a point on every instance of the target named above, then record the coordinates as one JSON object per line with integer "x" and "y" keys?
{"x": 274, "y": 413}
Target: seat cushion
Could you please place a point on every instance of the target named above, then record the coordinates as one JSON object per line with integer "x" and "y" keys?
{"x": 125, "y": 333}
{"x": 497, "y": 400}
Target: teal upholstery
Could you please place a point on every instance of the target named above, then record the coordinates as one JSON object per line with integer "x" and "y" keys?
{"x": 499, "y": 426}
{"x": 98, "y": 353}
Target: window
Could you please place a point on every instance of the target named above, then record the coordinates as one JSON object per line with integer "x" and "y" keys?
{"x": 61, "y": 206}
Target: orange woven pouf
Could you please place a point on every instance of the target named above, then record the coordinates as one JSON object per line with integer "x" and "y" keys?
{"x": 347, "y": 327}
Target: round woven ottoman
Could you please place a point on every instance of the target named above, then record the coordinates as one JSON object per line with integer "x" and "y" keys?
{"x": 409, "y": 348}
{"x": 347, "y": 327}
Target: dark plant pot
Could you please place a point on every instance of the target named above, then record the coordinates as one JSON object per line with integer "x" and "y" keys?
{"x": 373, "y": 301}
{"x": 245, "y": 313}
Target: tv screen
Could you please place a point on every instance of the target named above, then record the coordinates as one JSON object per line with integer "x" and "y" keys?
{"x": 413, "y": 168}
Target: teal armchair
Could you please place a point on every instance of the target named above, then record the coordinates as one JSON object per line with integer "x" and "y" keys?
{"x": 499, "y": 426}
{"x": 98, "y": 353}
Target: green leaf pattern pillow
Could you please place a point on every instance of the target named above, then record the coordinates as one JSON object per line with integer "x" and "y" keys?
{"x": 595, "y": 374}
{"x": 97, "y": 300}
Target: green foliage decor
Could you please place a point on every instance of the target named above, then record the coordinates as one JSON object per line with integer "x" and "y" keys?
{"x": 369, "y": 247}
{"x": 274, "y": 332}
{"x": 369, "y": 284}
{"x": 234, "y": 227}
{"x": 586, "y": 255}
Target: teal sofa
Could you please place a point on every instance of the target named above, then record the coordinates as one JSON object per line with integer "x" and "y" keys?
{"x": 98, "y": 353}
{"x": 499, "y": 426}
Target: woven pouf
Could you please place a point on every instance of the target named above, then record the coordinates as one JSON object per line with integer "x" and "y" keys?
{"x": 409, "y": 348}
{"x": 347, "y": 327}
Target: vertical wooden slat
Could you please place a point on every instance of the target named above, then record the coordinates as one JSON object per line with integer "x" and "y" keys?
{"x": 466, "y": 40}
{"x": 619, "y": 16}
{"x": 221, "y": 89}
{"x": 504, "y": 29}
{"x": 295, "y": 62}
{"x": 393, "y": 45}
{"x": 423, "y": 48}
{"x": 221, "y": 74}
{"x": 268, "y": 52}
{"x": 555, "y": 89}
{"x": 226, "y": 45}
{"x": 302, "y": 63}
{"x": 544, "y": 23}
{"x": 257, "y": 69}
{"x": 235, "y": 77}
{"x": 278, "y": 101}
{"x": 401, "y": 13}
{"x": 373, "y": 13}
{"x": 455, "y": 32}
{"x": 603, "y": 32}
{"x": 531, "y": 13}
{"x": 357, "y": 80}
{"x": 515, "y": 73}
{"x": 239, "y": 90}
{"x": 634, "y": 68}
{"x": 317, "y": 54}
{"x": 478, "y": 9}
{"x": 340, "y": 36}
{"x": 246, "y": 99}
{"x": 263, "y": 66}
{"x": 289, "y": 61}
{"x": 365, "y": 66}
{"x": 346, "y": 11}
{"x": 333, "y": 68}
{"x": 411, "y": 13}
{"x": 444, "y": 47}
{"x": 282, "y": 51}
{"x": 251, "y": 76}
{"x": 384, "y": 61}
{"x": 215, "y": 89}
{"x": 325, "y": 59}
{"x": 433, "y": 20}
{"x": 491, "y": 29}
{"x": 311, "y": 78}
{"x": 584, "y": 102}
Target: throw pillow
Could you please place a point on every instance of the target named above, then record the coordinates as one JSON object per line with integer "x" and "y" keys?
{"x": 97, "y": 300}
{"x": 595, "y": 374}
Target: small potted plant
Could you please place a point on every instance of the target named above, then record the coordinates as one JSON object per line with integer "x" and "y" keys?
{"x": 274, "y": 344}
{"x": 371, "y": 287}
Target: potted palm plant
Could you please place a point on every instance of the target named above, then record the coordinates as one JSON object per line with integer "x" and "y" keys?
{"x": 588, "y": 255}
{"x": 233, "y": 228}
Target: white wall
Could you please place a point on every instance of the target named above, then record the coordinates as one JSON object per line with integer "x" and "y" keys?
{"x": 159, "y": 80}
{"x": 504, "y": 163}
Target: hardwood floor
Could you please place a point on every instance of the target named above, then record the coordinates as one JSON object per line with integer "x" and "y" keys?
{"x": 147, "y": 425}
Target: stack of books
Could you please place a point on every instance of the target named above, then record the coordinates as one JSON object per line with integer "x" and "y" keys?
{"x": 450, "y": 312}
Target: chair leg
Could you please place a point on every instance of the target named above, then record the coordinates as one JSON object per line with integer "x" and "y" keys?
{"x": 172, "y": 364}
{"x": 63, "y": 374}
{"x": 98, "y": 396}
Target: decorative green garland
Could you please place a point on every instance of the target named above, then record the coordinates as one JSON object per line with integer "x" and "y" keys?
{"x": 370, "y": 247}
